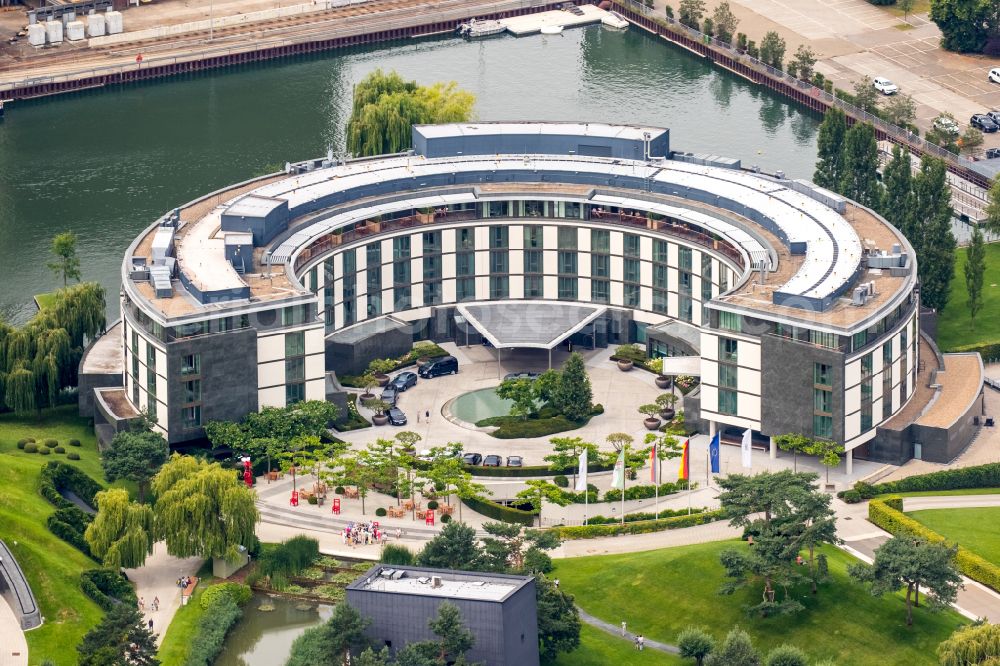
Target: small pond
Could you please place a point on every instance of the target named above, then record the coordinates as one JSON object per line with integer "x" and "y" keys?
{"x": 479, "y": 405}
{"x": 265, "y": 638}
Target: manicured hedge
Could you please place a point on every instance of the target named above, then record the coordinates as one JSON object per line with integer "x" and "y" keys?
{"x": 516, "y": 428}
{"x": 500, "y": 512}
{"x": 56, "y": 476}
{"x": 206, "y": 643}
{"x": 529, "y": 470}
{"x": 980, "y": 476}
{"x": 236, "y": 591}
{"x": 107, "y": 588}
{"x": 69, "y": 524}
{"x": 639, "y": 527}
{"x": 645, "y": 492}
{"x": 882, "y": 512}
{"x": 644, "y": 515}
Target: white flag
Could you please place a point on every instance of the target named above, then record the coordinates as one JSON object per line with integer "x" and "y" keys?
{"x": 618, "y": 477}
{"x": 745, "y": 449}
{"x": 581, "y": 477}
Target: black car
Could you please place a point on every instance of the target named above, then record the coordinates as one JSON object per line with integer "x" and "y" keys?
{"x": 492, "y": 461}
{"x": 397, "y": 417}
{"x": 520, "y": 375}
{"x": 983, "y": 122}
{"x": 404, "y": 380}
{"x": 992, "y": 153}
{"x": 472, "y": 459}
{"x": 390, "y": 394}
{"x": 514, "y": 461}
{"x": 446, "y": 365}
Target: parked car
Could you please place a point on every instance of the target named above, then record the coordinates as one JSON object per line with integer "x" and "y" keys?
{"x": 994, "y": 75}
{"x": 994, "y": 116}
{"x": 946, "y": 125}
{"x": 492, "y": 460}
{"x": 992, "y": 153}
{"x": 983, "y": 122}
{"x": 472, "y": 459}
{"x": 397, "y": 417}
{"x": 885, "y": 86}
{"x": 446, "y": 365}
{"x": 390, "y": 395}
{"x": 404, "y": 380}
{"x": 520, "y": 375}
{"x": 515, "y": 461}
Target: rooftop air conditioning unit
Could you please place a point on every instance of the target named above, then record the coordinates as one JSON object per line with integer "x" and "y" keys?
{"x": 386, "y": 573}
{"x": 436, "y": 581}
{"x": 860, "y": 296}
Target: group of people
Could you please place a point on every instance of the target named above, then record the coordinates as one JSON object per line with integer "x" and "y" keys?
{"x": 639, "y": 640}
{"x": 183, "y": 582}
{"x": 155, "y": 606}
{"x": 362, "y": 534}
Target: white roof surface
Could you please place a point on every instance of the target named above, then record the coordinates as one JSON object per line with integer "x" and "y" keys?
{"x": 449, "y": 589}
{"x": 252, "y": 205}
{"x": 631, "y": 132}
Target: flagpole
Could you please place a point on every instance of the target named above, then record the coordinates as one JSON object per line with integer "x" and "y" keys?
{"x": 624, "y": 479}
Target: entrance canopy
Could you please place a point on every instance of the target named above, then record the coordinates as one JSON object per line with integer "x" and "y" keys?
{"x": 682, "y": 365}
{"x": 529, "y": 324}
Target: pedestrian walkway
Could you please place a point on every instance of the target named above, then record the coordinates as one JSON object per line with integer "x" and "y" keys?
{"x": 609, "y": 628}
{"x": 13, "y": 646}
{"x": 158, "y": 578}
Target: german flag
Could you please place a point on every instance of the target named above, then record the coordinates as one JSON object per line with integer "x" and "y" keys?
{"x": 685, "y": 471}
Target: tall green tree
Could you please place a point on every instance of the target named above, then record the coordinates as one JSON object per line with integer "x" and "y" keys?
{"x": 202, "y": 509}
{"x": 830, "y": 163}
{"x": 936, "y": 256}
{"x": 574, "y": 397}
{"x": 976, "y": 645}
{"x": 455, "y": 547}
{"x": 898, "y": 202}
{"x": 804, "y": 61}
{"x": 454, "y": 638}
{"x": 690, "y": 12}
{"x": 992, "y": 221}
{"x": 725, "y": 22}
{"x": 865, "y": 94}
{"x": 772, "y": 49}
{"x": 828, "y": 453}
{"x": 331, "y": 643}
{"x": 121, "y": 534}
{"x": 67, "y": 264}
{"x": 135, "y": 456}
{"x": 510, "y": 548}
{"x": 795, "y": 443}
{"x": 566, "y": 454}
{"x": 521, "y": 394}
{"x": 901, "y": 110}
{"x": 695, "y": 643}
{"x": 386, "y": 107}
{"x": 540, "y": 491}
{"x": 975, "y": 267}
{"x": 121, "y": 638}
{"x": 736, "y": 650}
{"x": 966, "y": 25}
{"x": 911, "y": 563}
{"x": 859, "y": 180}
{"x": 558, "y": 619}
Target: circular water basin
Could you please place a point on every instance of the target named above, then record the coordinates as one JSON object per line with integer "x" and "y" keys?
{"x": 478, "y": 405}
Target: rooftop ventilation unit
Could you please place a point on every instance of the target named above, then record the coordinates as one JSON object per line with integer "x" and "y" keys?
{"x": 398, "y": 573}
{"x": 386, "y": 573}
{"x": 860, "y": 296}
{"x": 436, "y": 581}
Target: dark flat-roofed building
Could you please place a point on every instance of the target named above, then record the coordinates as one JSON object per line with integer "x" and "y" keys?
{"x": 499, "y": 609}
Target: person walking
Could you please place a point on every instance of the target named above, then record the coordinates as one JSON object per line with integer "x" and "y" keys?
{"x": 623, "y": 628}
{"x": 156, "y": 603}
{"x": 642, "y": 642}
{"x": 150, "y": 623}
{"x": 427, "y": 416}
{"x": 142, "y": 604}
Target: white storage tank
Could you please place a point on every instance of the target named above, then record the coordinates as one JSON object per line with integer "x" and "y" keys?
{"x": 54, "y": 32}
{"x": 114, "y": 22}
{"x": 36, "y": 34}
{"x": 95, "y": 25}
{"x": 74, "y": 31}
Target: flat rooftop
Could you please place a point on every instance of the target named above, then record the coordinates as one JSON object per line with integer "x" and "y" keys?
{"x": 961, "y": 380}
{"x": 440, "y": 583}
{"x": 555, "y": 128}
{"x": 540, "y": 324}
{"x": 105, "y": 357}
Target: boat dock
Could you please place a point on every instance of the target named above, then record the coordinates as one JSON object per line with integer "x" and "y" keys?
{"x": 530, "y": 24}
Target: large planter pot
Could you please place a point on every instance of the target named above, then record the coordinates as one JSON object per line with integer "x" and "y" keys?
{"x": 662, "y": 381}
{"x": 651, "y": 423}
{"x": 624, "y": 365}
{"x": 422, "y": 361}
{"x": 365, "y": 398}
{"x": 667, "y": 414}
{"x": 382, "y": 379}
{"x": 380, "y": 419}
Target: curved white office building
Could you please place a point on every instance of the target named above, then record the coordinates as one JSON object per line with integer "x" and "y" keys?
{"x": 801, "y": 306}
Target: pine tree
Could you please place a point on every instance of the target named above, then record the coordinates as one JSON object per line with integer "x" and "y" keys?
{"x": 897, "y": 204}
{"x": 992, "y": 221}
{"x": 456, "y": 639}
{"x": 936, "y": 243}
{"x": 574, "y": 397}
{"x": 859, "y": 180}
{"x": 121, "y": 637}
{"x": 975, "y": 266}
{"x": 830, "y": 163}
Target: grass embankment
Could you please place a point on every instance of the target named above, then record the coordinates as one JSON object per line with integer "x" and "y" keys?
{"x": 935, "y": 493}
{"x": 51, "y": 565}
{"x": 954, "y": 326}
{"x": 973, "y": 528}
{"x": 43, "y": 301}
{"x": 598, "y": 648}
{"x": 660, "y": 592}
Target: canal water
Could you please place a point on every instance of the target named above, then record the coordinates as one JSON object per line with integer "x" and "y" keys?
{"x": 105, "y": 164}
{"x": 264, "y": 638}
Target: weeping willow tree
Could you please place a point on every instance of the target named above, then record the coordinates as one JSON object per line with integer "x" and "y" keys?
{"x": 386, "y": 106}
{"x": 40, "y": 359}
{"x": 202, "y": 509}
{"x": 122, "y": 531}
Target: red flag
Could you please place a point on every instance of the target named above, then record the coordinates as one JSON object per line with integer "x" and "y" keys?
{"x": 685, "y": 471}
{"x": 653, "y": 461}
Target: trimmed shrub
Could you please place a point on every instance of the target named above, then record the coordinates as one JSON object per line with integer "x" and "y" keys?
{"x": 433, "y": 505}
{"x": 45, "y": 451}
{"x": 561, "y": 481}
{"x": 851, "y": 496}
{"x": 644, "y": 515}
{"x": 288, "y": 558}
{"x": 894, "y": 502}
{"x": 446, "y": 518}
{"x": 312, "y": 500}
{"x": 500, "y": 512}
{"x": 981, "y": 476}
{"x": 239, "y": 593}
{"x": 339, "y": 490}
{"x": 639, "y": 527}
{"x": 395, "y": 554}
{"x": 73, "y": 455}
{"x": 56, "y": 476}
{"x": 31, "y": 447}
{"x": 206, "y": 643}
{"x": 380, "y": 512}
{"x": 59, "y": 449}
{"x": 21, "y": 443}
{"x": 786, "y": 655}
{"x": 646, "y": 492}
{"x": 74, "y": 442}
{"x": 69, "y": 524}
{"x": 107, "y": 588}
{"x": 51, "y": 443}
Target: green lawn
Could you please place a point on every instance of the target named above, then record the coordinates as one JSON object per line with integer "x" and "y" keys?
{"x": 660, "y": 592}
{"x": 177, "y": 641}
{"x": 598, "y": 648}
{"x": 51, "y": 565}
{"x": 45, "y": 300}
{"x": 935, "y": 493}
{"x": 974, "y": 529}
{"x": 954, "y": 329}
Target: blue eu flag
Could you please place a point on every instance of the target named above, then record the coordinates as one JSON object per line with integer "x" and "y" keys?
{"x": 713, "y": 453}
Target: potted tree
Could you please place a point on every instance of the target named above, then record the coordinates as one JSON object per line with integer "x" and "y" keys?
{"x": 662, "y": 381}
{"x": 625, "y": 364}
{"x": 426, "y": 215}
{"x": 666, "y": 402}
{"x": 380, "y": 368}
{"x": 369, "y": 381}
{"x": 652, "y": 422}
{"x": 380, "y": 407}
